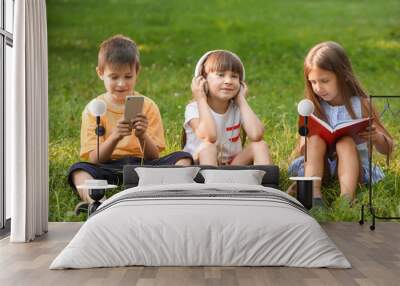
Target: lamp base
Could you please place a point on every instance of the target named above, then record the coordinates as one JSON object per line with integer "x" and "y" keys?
{"x": 305, "y": 193}
{"x": 96, "y": 195}
{"x": 305, "y": 189}
{"x": 93, "y": 207}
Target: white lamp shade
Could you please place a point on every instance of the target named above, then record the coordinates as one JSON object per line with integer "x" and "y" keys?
{"x": 305, "y": 107}
{"x": 97, "y": 107}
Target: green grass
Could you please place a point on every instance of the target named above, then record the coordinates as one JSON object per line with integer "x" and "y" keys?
{"x": 271, "y": 37}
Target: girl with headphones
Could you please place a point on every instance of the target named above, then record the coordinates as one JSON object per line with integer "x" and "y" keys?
{"x": 219, "y": 113}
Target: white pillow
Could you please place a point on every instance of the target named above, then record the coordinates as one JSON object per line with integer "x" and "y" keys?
{"x": 249, "y": 177}
{"x": 166, "y": 176}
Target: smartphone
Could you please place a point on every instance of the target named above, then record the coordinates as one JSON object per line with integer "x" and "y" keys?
{"x": 133, "y": 106}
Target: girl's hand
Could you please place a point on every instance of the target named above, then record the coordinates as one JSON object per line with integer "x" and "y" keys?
{"x": 140, "y": 124}
{"x": 242, "y": 93}
{"x": 199, "y": 88}
{"x": 123, "y": 129}
{"x": 375, "y": 134}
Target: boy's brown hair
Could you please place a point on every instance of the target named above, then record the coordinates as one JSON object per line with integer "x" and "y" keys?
{"x": 117, "y": 51}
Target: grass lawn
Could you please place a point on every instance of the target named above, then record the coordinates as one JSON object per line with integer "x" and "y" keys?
{"x": 271, "y": 37}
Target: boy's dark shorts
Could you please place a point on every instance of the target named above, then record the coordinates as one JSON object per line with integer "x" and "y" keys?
{"x": 112, "y": 170}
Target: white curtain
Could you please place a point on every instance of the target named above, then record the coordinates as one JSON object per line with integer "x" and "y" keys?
{"x": 27, "y": 124}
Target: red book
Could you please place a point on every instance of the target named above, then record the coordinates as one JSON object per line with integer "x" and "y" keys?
{"x": 330, "y": 134}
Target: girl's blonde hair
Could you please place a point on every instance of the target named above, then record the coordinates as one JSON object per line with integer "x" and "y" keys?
{"x": 222, "y": 61}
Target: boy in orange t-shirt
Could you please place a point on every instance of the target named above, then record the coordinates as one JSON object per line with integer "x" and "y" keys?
{"x": 121, "y": 144}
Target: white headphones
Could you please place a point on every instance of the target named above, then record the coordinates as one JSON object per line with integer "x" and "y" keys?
{"x": 199, "y": 65}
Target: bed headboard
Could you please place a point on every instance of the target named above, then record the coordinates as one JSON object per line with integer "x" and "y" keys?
{"x": 270, "y": 179}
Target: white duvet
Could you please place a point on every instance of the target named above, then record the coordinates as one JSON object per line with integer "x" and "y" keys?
{"x": 201, "y": 224}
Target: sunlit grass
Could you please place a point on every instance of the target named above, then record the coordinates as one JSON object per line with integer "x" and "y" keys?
{"x": 271, "y": 37}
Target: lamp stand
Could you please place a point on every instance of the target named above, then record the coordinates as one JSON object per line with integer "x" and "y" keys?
{"x": 305, "y": 138}
{"x": 99, "y": 132}
{"x": 303, "y": 131}
{"x": 370, "y": 205}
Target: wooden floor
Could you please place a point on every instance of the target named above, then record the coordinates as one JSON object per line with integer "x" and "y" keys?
{"x": 374, "y": 255}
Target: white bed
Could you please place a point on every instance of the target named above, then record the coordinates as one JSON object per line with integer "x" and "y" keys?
{"x": 201, "y": 224}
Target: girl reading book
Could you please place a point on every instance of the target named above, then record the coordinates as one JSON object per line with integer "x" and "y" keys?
{"x": 337, "y": 95}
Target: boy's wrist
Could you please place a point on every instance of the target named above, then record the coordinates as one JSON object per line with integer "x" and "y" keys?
{"x": 142, "y": 136}
{"x": 115, "y": 137}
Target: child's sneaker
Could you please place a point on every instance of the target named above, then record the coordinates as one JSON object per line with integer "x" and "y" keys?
{"x": 81, "y": 207}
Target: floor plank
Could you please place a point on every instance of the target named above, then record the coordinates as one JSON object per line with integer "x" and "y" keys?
{"x": 374, "y": 255}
